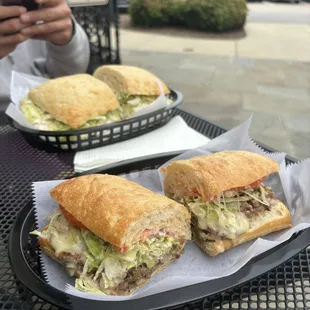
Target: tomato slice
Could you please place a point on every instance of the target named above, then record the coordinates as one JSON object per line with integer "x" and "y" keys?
{"x": 121, "y": 250}
{"x": 194, "y": 193}
{"x": 146, "y": 234}
{"x": 71, "y": 218}
{"x": 254, "y": 184}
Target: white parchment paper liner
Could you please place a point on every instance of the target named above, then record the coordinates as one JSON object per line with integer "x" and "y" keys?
{"x": 22, "y": 83}
{"x": 290, "y": 185}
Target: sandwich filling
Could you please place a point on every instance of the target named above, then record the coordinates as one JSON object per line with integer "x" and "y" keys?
{"x": 229, "y": 215}
{"x": 44, "y": 121}
{"x": 128, "y": 106}
{"x": 101, "y": 267}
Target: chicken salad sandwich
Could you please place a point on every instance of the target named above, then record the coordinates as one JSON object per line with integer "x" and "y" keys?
{"x": 135, "y": 87}
{"x": 71, "y": 102}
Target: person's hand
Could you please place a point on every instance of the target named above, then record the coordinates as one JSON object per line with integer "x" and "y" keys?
{"x": 56, "y": 26}
{"x": 10, "y": 26}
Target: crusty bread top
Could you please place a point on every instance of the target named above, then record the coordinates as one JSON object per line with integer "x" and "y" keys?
{"x": 209, "y": 175}
{"x": 118, "y": 210}
{"x": 130, "y": 80}
{"x": 74, "y": 99}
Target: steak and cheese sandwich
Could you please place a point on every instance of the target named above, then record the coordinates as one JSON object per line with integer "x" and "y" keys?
{"x": 112, "y": 234}
{"x": 135, "y": 87}
{"x": 227, "y": 199}
{"x": 71, "y": 102}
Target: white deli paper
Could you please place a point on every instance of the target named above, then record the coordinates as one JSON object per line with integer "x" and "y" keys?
{"x": 290, "y": 185}
{"x": 174, "y": 136}
{"x": 22, "y": 83}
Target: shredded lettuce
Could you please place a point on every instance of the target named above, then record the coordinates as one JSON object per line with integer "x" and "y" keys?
{"x": 62, "y": 236}
{"x": 104, "y": 266}
{"x": 128, "y": 106}
{"x": 116, "y": 264}
{"x": 86, "y": 284}
{"x": 135, "y": 100}
{"x": 44, "y": 121}
{"x": 256, "y": 198}
{"x": 236, "y": 199}
{"x": 35, "y": 233}
{"x": 105, "y": 282}
{"x": 219, "y": 218}
{"x": 71, "y": 268}
{"x": 94, "y": 244}
{"x": 40, "y": 119}
{"x": 114, "y": 269}
{"x": 223, "y": 216}
{"x": 169, "y": 100}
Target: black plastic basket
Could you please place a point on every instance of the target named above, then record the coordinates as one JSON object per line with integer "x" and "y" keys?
{"x": 84, "y": 139}
{"x": 23, "y": 254}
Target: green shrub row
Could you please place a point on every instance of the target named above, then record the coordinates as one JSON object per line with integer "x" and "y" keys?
{"x": 207, "y": 15}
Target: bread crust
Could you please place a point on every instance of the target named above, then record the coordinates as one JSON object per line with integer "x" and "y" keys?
{"x": 209, "y": 175}
{"x": 118, "y": 210}
{"x": 130, "y": 80}
{"x": 269, "y": 225}
{"x": 74, "y": 99}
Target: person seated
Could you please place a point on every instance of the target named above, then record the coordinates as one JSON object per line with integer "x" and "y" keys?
{"x": 47, "y": 42}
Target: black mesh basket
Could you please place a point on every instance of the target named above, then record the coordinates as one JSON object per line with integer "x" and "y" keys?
{"x": 84, "y": 139}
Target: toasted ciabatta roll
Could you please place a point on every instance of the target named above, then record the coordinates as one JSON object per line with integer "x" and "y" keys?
{"x": 130, "y": 80}
{"x": 76, "y": 101}
{"x": 228, "y": 202}
{"x": 135, "y": 87}
{"x": 113, "y": 234}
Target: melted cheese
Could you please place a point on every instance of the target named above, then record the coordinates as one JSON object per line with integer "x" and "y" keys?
{"x": 64, "y": 243}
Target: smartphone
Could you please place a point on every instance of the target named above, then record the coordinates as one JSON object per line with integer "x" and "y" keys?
{"x": 30, "y": 5}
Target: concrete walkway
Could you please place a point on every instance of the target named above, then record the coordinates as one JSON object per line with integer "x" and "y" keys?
{"x": 263, "y": 41}
{"x": 226, "y": 78}
{"x": 271, "y": 12}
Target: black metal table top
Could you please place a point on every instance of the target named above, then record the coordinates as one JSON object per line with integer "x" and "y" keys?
{"x": 287, "y": 287}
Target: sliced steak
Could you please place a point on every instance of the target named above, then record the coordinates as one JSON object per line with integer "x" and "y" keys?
{"x": 139, "y": 275}
{"x": 252, "y": 207}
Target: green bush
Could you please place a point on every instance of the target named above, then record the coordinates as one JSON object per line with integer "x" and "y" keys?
{"x": 176, "y": 12}
{"x": 207, "y": 15}
{"x": 148, "y": 13}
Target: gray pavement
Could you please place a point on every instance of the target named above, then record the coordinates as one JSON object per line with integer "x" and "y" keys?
{"x": 264, "y": 70}
{"x": 227, "y": 90}
{"x": 274, "y": 12}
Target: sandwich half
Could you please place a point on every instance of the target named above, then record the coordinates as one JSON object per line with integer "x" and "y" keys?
{"x": 71, "y": 102}
{"x": 227, "y": 198}
{"x": 135, "y": 87}
{"x": 112, "y": 234}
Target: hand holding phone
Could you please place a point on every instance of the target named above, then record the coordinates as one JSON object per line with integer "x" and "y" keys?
{"x": 10, "y": 27}
{"x": 52, "y": 22}
{"x": 55, "y": 22}
{"x": 30, "y": 5}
